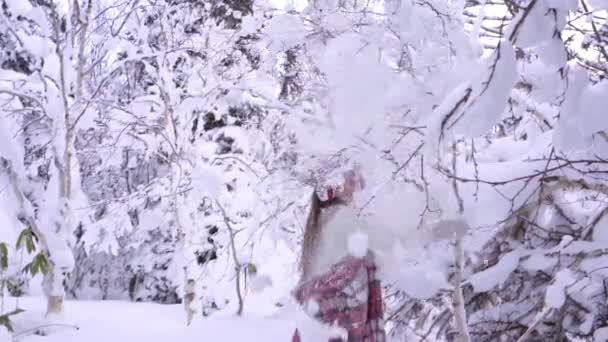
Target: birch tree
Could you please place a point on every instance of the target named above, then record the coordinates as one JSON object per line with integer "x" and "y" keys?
{"x": 54, "y": 91}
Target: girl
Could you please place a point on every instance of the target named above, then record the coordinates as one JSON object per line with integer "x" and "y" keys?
{"x": 344, "y": 287}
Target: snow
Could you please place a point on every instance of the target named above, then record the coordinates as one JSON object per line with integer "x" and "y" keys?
{"x": 343, "y": 54}
{"x": 4, "y": 334}
{"x": 495, "y": 275}
{"x": 421, "y": 281}
{"x": 484, "y": 204}
{"x": 433, "y": 122}
{"x": 593, "y": 104}
{"x": 600, "y": 233}
{"x": 335, "y": 239}
{"x": 311, "y": 307}
{"x": 284, "y": 30}
{"x": 449, "y": 229}
{"x": 491, "y": 91}
{"x": 415, "y": 270}
{"x": 19, "y": 7}
{"x": 538, "y": 262}
{"x": 390, "y": 201}
{"x": 260, "y": 282}
{"x": 538, "y": 26}
{"x": 10, "y": 150}
{"x": 543, "y": 78}
{"x": 123, "y": 321}
{"x": 601, "y": 334}
{"x": 363, "y": 81}
{"x": 567, "y": 5}
{"x": 358, "y": 244}
{"x": 598, "y": 4}
{"x": 569, "y": 133}
{"x": 39, "y": 46}
{"x": 556, "y": 293}
{"x": 553, "y": 53}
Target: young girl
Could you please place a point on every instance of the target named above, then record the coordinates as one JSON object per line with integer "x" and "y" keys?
{"x": 344, "y": 286}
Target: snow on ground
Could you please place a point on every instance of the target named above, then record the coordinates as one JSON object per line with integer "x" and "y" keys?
{"x": 115, "y": 321}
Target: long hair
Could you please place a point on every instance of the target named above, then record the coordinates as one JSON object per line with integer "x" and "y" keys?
{"x": 314, "y": 227}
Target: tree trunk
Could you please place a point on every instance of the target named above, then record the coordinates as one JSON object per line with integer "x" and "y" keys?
{"x": 54, "y": 295}
{"x": 53, "y": 289}
{"x": 185, "y": 236}
{"x": 54, "y": 305}
{"x": 460, "y": 314}
{"x": 189, "y": 296}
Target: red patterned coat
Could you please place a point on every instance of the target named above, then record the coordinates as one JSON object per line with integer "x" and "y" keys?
{"x": 350, "y": 295}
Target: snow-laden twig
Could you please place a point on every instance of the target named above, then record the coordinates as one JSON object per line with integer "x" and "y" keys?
{"x": 519, "y": 24}
{"x": 237, "y": 264}
{"x": 539, "y": 318}
{"x": 124, "y": 20}
{"x": 597, "y": 32}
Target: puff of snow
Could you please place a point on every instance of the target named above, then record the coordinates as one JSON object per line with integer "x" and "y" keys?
{"x": 358, "y": 244}
{"x": 422, "y": 281}
{"x": 260, "y": 282}
{"x": 312, "y": 307}
{"x": 449, "y": 229}
{"x": 414, "y": 270}
{"x": 311, "y": 329}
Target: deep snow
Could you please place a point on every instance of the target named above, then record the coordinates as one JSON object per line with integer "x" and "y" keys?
{"x": 97, "y": 321}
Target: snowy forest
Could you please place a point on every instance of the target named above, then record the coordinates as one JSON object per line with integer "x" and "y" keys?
{"x": 158, "y": 158}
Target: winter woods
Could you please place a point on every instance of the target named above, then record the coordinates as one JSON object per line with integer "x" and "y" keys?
{"x": 499, "y": 145}
{"x": 164, "y": 151}
{"x": 110, "y": 100}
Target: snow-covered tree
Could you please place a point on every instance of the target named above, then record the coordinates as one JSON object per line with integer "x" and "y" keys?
{"x": 185, "y": 134}
{"x": 44, "y": 93}
{"x": 524, "y": 170}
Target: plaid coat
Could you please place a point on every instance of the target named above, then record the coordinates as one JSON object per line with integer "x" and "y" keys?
{"x": 350, "y": 295}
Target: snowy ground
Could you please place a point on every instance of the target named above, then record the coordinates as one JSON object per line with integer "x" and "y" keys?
{"x": 96, "y": 321}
